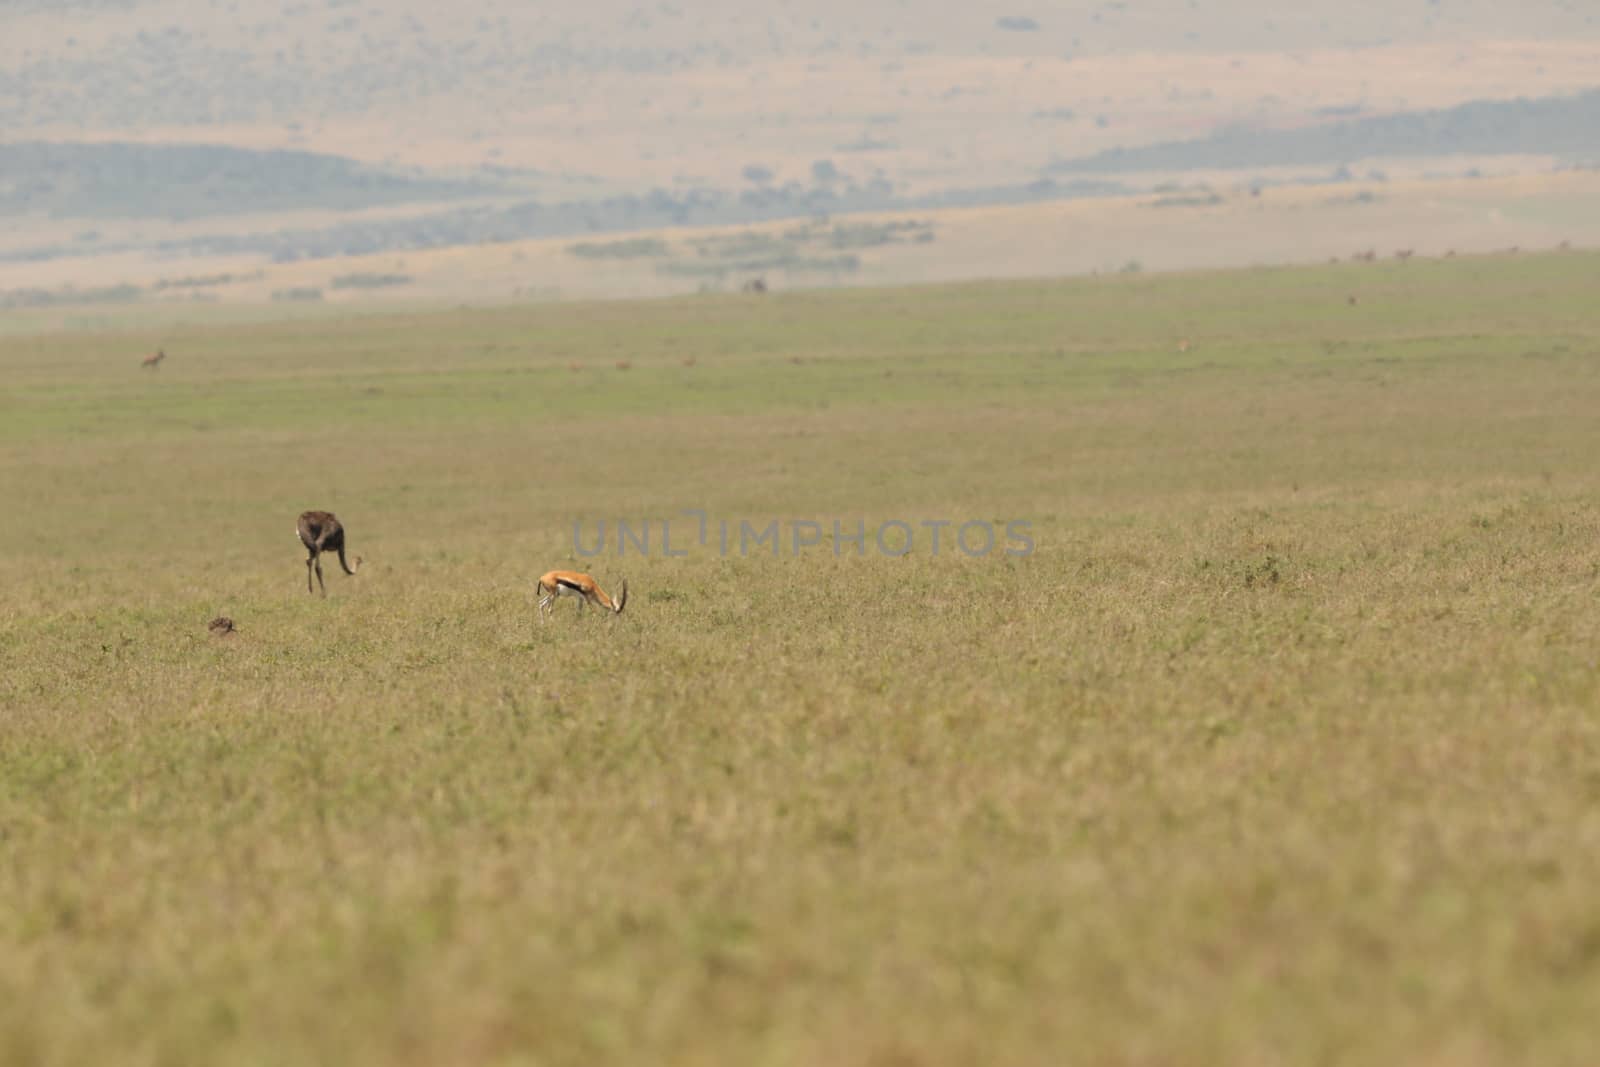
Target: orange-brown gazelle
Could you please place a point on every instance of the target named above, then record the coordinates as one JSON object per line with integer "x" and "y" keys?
{"x": 585, "y": 588}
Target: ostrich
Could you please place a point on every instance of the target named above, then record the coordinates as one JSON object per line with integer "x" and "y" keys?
{"x": 321, "y": 532}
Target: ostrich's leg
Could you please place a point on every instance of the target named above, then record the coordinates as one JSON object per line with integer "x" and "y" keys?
{"x": 320, "y": 584}
{"x": 309, "y": 558}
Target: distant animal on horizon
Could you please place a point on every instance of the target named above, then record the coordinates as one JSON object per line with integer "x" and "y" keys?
{"x": 555, "y": 584}
{"x": 756, "y": 285}
{"x": 321, "y": 531}
{"x": 154, "y": 362}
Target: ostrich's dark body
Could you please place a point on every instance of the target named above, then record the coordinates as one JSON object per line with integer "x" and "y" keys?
{"x": 321, "y": 532}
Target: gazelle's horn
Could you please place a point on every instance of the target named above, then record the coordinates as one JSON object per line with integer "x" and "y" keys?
{"x": 622, "y": 597}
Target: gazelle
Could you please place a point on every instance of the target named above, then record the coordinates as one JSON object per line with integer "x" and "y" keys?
{"x": 321, "y": 532}
{"x": 154, "y": 362}
{"x": 570, "y": 583}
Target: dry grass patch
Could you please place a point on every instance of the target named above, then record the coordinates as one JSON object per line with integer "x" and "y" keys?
{"x": 1281, "y": 746}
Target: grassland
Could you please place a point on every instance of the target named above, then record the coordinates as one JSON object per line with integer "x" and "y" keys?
{"x": 1282, "y": 747}
{"x": 1288, "y": 224}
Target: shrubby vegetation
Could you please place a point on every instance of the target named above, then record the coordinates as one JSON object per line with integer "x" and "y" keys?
{"x": 817, "y": 247}
{"x": 68, "y": 295}
{"x": 202, "y": 281}
{"x": 486, "y": 224}
{"x": 1196, "y": 199}
{"x": 872, "y": 234}
{"x": 630, "y": 248}
{"x": 367, "y": 280}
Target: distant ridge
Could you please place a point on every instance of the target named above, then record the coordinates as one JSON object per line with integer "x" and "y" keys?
{"x": 1564, "y": 126}
{"x": 104, "y": 180}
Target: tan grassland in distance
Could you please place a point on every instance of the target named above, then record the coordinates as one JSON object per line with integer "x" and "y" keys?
{"x": 943, "y": 121}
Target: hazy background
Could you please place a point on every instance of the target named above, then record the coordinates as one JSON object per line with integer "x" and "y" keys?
{"x": 202, "y": 150}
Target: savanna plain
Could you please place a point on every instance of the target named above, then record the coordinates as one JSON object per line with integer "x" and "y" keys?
{"x": 1282, "y": 746}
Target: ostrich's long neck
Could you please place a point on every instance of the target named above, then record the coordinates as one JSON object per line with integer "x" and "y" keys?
{"x": 347, "y": 568}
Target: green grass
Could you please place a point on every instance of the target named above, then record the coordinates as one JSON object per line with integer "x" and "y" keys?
{"x": 1283, "y": 747}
